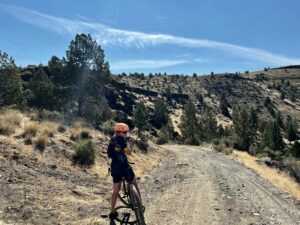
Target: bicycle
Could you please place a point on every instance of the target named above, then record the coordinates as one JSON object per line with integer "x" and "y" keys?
{"x": 130, "y": 198}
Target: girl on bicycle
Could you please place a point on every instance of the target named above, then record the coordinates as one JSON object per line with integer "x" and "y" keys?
{"x": 120, "y": 168}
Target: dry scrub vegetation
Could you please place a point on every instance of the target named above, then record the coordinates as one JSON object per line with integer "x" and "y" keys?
{"x": 37, "y": 161}
{"x": 280, "y": 179}
{"x": 9, "y": 121}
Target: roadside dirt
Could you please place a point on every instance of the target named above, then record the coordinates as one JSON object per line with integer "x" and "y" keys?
{"x": 198, "y": 186}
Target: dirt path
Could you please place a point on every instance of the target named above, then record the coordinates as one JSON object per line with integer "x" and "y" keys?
{"x": 197, "y": 186}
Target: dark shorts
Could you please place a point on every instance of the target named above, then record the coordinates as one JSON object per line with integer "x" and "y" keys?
{"x": 128, "y": 174}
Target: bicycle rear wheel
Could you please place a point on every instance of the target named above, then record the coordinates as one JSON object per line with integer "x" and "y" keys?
{"x": 124, "y": 197}
{"x": 137, "y": 205}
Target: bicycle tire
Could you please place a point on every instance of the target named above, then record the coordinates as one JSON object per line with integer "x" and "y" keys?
{"x": 137, "y": 205}
{"x": 125, "y": 200}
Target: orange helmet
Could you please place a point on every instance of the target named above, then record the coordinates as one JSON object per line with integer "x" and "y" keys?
{"x": 121, "y": 127}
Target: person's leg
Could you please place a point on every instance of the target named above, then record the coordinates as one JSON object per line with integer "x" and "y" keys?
{"x": 114, "y": 197}
{"x": 135, "y": 183}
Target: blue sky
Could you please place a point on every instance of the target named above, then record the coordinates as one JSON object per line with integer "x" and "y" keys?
{"x": 172, "y": 36}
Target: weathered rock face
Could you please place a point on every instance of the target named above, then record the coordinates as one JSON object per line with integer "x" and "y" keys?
{"x": 282, "y": 85}
{"x": 180, "y": 98}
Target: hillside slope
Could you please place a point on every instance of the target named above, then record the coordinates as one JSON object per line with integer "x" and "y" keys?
{"x": 45, "y": 187}
{"x": 282, "y": 86}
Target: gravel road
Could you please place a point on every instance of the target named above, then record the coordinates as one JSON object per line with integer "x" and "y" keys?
{"x": 198, "y": 186}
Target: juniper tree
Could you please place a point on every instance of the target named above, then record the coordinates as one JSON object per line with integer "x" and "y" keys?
{"x": 160, "y": 113}
{"x": 41, "y": 88}
{"x": 11, "y": 91}
{"x": 291, "y": 129}
{"x": 141, "y": 117}
{"x": 272, "y": 137}
{"x": 244, "y": 127}
{"x": 189, "y": 125}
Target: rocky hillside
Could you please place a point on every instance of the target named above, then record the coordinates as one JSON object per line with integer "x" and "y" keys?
{"x": 281, "y": 85}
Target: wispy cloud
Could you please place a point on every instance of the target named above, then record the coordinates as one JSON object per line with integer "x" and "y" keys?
{"x": 111, "y": 36}
{"x": 145, "y": 64}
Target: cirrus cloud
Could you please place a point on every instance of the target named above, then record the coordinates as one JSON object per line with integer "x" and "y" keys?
{"x": 107, "y": 35}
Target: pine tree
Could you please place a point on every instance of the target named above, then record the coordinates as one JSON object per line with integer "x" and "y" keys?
{"x": 279, "y": 119}
{"x": 269, "y": 105}
{"x": 165, "y": 133}
{"x": 272, "y": 137}
{"x": 160, "y": 113}
{"x": 208, "y": 127}
{"x": 295, "y": 149}
{"x": 42, "y": 90}
{"x": 168, "y": 94}
{"x": 224, "y": 106}
{"x": 244, "y": 128}
{"x": 141, "y": 117}
{"x": 291, "y": 129}
{"x": 11, "y": 91}
{"x": 189, "y": 125}
{"x": 85, "y": 61}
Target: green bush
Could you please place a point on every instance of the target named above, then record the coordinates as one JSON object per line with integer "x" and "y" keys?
{"x": 295, "y": 149}
{"x": 294, "y": 168}
{"x": 162, "y": 140}
{"x": 142, "y": 144}
{"x": 84, "y": 153}
{"x": 49, "y": 115}
{"x": 85, "y": 134}
{"x": 61, "y": 128}
{"x": 222, "y": 147}
{"x": 108, "y": 127}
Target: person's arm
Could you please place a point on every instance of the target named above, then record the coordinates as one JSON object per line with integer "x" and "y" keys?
{"x": 128, "y": 151}
{"x": 124, "y": 145}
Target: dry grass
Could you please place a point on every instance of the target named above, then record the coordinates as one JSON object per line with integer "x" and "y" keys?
{"x": 30, "y": 130}
{"x": 280, "y": 179}
{"x": 28, "y": 140}
{"x": 48, "y": 127}
{"x": 9, "y": 121}
{"x": 80, "y": 133}
{"x": 75, "y": 134}
{"x": 42, "y": 141}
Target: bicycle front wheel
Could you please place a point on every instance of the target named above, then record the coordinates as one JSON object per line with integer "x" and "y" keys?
{"x": 137, "y": 205}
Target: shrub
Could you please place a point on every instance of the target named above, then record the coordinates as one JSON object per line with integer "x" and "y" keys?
{"x": 295, "y": 149}
{"x": 49, "y": 115}
{"x": 28, "y": 141}
{"x": 84, "y": 153}
{"x": 6, "y": 128}
{"x": 220, "y": 147}
{"x": 49, "y": 132}
{"x": 165, "y": 134}
{"x": 108, "y": 127}
{"x": 142, "y": 144}
{"x": 80, "y": 133}
{"x": 85, "y": 134}
{"x": 162, "y": 140}
{"x": 294, "y": 168}
{"x": 227, "y": 151}
{"x": 216, "y": 141}
{"x": 9, "y": 121}
{"x": 30, "y": 130}
{"x": 75, "y": 134}
{"x": 42, "y": 142}
{"x": 61, "y": 128}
